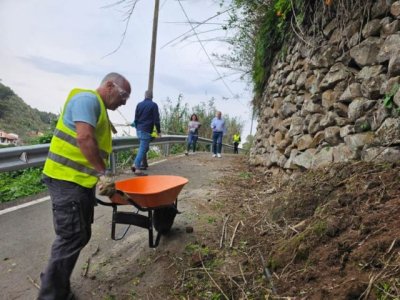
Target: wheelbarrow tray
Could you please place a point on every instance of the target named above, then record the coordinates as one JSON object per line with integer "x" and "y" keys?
{"x": 157, "y": 195}
{"x": 149, "y": 191}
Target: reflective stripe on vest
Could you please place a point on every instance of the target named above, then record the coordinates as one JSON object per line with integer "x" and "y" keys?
{"x": 65, "y": 160}
{"x": 70, "y": 163}
{"x": 69, "y": 139}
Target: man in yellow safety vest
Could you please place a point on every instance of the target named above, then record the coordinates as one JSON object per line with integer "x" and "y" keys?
{"x": 236, "y": 141}
{"x": 76, "y": 160}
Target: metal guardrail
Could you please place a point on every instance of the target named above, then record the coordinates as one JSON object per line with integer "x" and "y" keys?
{"x": 16, "y": 158}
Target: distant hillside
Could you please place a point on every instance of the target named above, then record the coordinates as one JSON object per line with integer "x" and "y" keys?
{"x": 18, "y": 117}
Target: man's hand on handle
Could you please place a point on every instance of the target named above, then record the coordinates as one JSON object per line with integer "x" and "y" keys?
{"x": 106, "y": 184}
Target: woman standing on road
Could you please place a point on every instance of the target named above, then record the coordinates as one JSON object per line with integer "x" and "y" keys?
{"x": 193, "y": 133}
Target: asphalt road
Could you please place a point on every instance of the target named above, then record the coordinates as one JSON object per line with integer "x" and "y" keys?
{"x": 27, "y": 234}
{"x": 25, "y": 239}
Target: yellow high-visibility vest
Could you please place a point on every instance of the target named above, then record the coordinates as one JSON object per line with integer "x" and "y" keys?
{"x": 236, "y": 138}
{"x": 65, "y": 160}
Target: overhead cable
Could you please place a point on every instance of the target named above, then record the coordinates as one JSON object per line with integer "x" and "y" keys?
{"x": 208, "y": 56}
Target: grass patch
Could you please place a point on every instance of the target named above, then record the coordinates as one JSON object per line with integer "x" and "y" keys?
{"x": 17, "y": 184}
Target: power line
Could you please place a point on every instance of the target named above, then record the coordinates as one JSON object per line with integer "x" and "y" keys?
{"x": 208, "y": 56}
{"x": 200, "y": 23}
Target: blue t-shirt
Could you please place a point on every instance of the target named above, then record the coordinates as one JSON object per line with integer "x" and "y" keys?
{"x": 83, "y": 107}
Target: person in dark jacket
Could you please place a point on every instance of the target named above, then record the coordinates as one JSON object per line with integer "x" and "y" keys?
{"x": 146, "y": 117}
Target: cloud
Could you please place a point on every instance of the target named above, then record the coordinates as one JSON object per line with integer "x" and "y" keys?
{"x": 58, "y": 67}
{"x": 187, "y": 87}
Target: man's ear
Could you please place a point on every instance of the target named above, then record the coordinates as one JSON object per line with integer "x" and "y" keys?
{"x": 109, "y": 85}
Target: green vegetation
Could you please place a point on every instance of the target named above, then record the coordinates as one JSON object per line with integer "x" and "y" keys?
{"x": 261, "y": 28}
{"x": 319, "y": 228}
{"x": 18, "y": 117}
{"x": 196, "y": 248}
{"x": 388, "y": 290}
{"x": 248, "y": 144}
{"x": 245, "y": 175}
{"x": 388, "y": 100}
{"x": 124, "y": 158}
{"x": 16, "y": 184}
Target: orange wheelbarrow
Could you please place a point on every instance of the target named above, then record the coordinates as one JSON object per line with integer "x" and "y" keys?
{"x": 157, "y": 195}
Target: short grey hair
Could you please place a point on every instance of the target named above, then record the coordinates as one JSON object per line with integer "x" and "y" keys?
{"x": 114, "y": 77}
{"x": 148, "y": 94}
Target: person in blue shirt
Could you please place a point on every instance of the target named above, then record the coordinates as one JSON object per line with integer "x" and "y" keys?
{"x": 219, "y": 129}
{"x": 146, "y": 117}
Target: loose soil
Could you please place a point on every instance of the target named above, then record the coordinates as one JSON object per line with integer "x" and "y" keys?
{"x": 331, "y": 233}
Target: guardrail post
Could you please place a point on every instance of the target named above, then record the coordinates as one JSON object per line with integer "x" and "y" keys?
{"x": 113, "y": 165}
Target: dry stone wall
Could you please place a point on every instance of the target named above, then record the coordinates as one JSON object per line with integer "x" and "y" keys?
{"x": 324, "y": 103}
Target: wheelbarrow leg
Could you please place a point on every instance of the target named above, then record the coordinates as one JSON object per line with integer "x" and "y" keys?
{"x": 113, "y": 222}
{"x": 152, "y": 243}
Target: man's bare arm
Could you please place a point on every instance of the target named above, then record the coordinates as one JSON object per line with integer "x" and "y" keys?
{"x": 87, "y": 143}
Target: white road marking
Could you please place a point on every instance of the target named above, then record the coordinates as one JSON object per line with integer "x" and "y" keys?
{"x": 14, "y": 208}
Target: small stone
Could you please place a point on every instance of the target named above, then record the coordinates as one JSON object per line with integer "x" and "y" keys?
{"x": 189, "y": 229}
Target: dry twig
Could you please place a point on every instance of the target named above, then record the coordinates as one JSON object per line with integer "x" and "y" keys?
{"x": 234, "y": 233}
{"x": 223, "y": 234}
{"x": 33, "y": 282}
{"x": 212, "y": 279}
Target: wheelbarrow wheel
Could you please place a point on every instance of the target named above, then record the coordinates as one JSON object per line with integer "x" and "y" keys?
{"x": 163, "y": 218}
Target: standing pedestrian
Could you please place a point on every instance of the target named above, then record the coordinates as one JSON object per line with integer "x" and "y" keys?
{"x": 218, "y": 128}
{"x": 145, "y": 164}
{"x": 146, "y": 117}
{"x": 236, "y": 141}
{"x": 193, "y": 133}
{"x": 77, "y": 158}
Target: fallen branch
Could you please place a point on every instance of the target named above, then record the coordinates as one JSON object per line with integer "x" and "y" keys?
{"x": 86, "y": 269}
{"x": 391, "y": 246}
{"x": 234, "y": 233}
{"x": 33, "y": 282}
{"x": 241, "y": 271}
{"x": 223, "y": 234}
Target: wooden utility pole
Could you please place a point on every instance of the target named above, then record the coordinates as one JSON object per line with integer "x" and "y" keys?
{"x": 153, "y": 46}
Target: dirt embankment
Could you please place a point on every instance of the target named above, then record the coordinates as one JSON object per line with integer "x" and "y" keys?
{"x": 331, "y": 233}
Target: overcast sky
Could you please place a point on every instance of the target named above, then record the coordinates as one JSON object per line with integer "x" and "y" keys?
{"x": 49, "y": 47}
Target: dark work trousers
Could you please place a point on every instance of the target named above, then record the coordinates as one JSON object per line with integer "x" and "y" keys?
{"x": 73, "y": 208}
{"x": 236, "y": 147}
{"x": 217, "y": 142}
